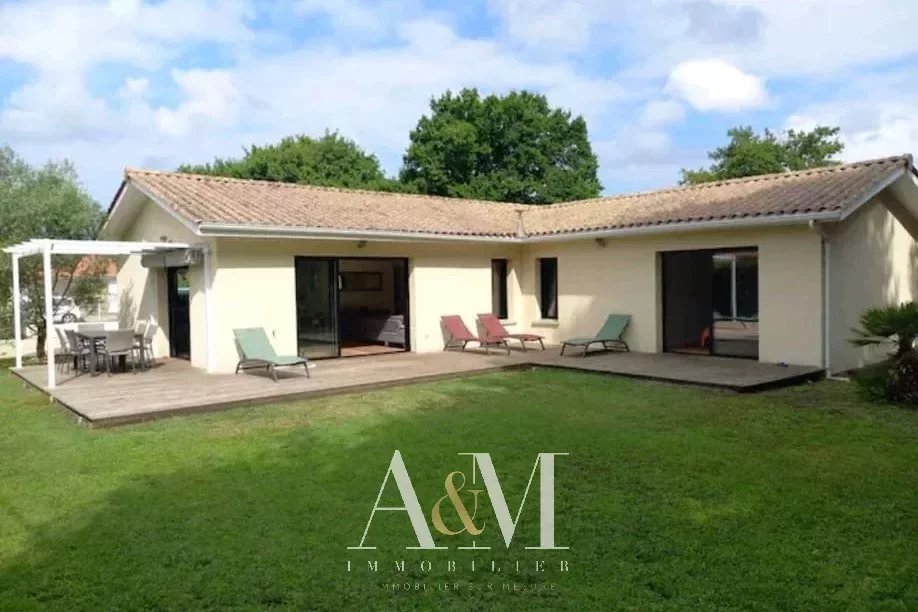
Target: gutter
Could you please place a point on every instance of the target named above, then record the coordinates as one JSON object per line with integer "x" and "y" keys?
{"x": 826, "y": 295}
{"x": 742, "y": 222}
{"x": 231, "y": 230}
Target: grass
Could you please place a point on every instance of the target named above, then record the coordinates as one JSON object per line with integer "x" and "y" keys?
{"x": 671, "y": 499}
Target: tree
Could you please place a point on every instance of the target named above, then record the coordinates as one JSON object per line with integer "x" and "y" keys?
{"x": 512, "y": 148}
{"x": 46, "y": 202}
{"x": 749, "y": 154}
{"x": 332, "y": 161}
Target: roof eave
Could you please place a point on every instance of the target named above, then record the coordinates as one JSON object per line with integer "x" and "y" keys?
{"x": 234, "y": 230}
{"x": 688, "y": 226}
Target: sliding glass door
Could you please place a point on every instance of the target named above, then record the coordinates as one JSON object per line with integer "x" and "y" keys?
{"x": 736, "y": 303}
{"x": 317, "y": 307}
{"x": 711, "y": 302}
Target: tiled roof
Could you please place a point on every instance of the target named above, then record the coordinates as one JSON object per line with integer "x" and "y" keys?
{"x": 829, "y": 189}
{"x": 216, "y": 200}
{"x": 226, "y": 201}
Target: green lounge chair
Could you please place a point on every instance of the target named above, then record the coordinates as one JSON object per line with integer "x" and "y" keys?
{"x": 609, "y": 335}
{"x": 255, "y": 351}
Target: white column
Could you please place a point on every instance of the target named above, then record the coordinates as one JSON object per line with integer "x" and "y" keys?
{"x": 209, "y": 310}
{"x": 49, "y": 313}
{"x": 17, "y": 312}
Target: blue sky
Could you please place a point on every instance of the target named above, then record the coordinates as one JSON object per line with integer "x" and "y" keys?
{"x": 110, "y": 84}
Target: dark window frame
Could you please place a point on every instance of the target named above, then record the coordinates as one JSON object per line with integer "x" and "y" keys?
{"x": 500, "y": 273}
{"x": 548, "y": 288}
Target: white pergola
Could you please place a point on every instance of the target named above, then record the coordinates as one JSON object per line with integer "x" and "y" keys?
{"x": 47, "y": 248}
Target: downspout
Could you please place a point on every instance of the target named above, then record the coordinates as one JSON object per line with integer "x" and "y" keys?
{"x": 210, "y": 352}
{"x": 826, "y": 299}
{"x": 826, "y": 279}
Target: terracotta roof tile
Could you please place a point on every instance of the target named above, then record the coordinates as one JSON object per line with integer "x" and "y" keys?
{"x": 828, "y": 189}
{"x": 218, "y": 200}
{"x": 208, "y": 199}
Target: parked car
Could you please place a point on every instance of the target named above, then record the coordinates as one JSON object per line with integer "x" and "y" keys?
{"x": 66, "y": 310}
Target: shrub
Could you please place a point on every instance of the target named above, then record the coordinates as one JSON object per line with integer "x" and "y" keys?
{"x": 897, "y": 324}
{"x": 893, "y": 380}
{"x": 902, "y": 381}
{"x": 873, "y": 381}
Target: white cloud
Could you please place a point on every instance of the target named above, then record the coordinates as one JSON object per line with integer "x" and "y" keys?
{"x": 770, "y": 38}
{"x": 868, "y": 130}
{"x": 134, "y": 88}
{"x": 209, "y": 98}
{"x": 661, "y": 112}
{"x": 715, "y": 85}
{"x": 631, "y": 69}
{"x": 58, "y": 36}
{"x": 563, "y": 26}
{"x": 371, "y": 93}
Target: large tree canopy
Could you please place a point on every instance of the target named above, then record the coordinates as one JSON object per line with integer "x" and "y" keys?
{"x": 46, "y": 202}
{"x": 751, "y": 154}
{"x": 332, "y": 161}
{"x": 512, "y": 148}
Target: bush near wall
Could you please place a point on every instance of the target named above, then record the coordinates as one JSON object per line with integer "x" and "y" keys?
{"x": 6, "y": 321}
{"x": 894, "y": 380}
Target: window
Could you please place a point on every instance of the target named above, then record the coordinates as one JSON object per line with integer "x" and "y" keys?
{"x": 736, "y": 286}
{"x": 499, "y": 287}
{"x": 548, "y": 287}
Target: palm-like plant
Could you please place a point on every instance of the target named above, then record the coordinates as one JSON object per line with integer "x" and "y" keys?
{"x": 897, "y": 324}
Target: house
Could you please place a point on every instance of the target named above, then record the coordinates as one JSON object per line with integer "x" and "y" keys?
{"x": 106, "y": 306}
{"x": 776, "y": 268}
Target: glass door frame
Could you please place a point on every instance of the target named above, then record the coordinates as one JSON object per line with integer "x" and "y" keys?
{"x": 710, "y": 321}
{"x": 172, "y": 292}
{"x": 333, "y": 306}
{"x": 742, "y": 250}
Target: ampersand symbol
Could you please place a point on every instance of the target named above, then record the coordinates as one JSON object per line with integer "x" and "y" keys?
{"x": 452, "y": 493}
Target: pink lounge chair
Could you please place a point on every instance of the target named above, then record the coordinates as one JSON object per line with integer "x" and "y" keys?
{"x": 457, "y": 335}
{"x": 491, "y": 330}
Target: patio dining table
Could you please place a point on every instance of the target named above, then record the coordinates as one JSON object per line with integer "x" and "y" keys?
{"x": 97, "y": 337}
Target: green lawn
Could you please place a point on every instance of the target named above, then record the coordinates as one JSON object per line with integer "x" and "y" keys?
{"x": 671, "y": 499}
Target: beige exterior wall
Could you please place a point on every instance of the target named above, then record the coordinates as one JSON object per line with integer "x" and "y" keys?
{"x": 142, "y": 291}
{"x": 623, "y": 277}
{"x": 254, "y": 286}
{"x": 872, "y": 263}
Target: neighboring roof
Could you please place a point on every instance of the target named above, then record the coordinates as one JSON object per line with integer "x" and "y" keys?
{"x": 93, "y": 265}
{"x": 226, "y": 203}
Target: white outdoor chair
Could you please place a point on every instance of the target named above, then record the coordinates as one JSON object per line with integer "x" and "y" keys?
{"x": 147, "y": 343}
{"x": 119, "y": 343}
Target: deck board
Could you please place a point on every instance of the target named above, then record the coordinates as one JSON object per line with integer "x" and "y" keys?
{"x": 174, "y": 387}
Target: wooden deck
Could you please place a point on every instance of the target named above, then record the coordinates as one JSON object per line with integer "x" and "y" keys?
{"x": 174, "y": 387}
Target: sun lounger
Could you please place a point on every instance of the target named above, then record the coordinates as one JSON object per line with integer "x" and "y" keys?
{"x": 609, "y": 335}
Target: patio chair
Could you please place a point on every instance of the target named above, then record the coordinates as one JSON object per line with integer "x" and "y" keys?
{"x": 146, "y": 344}
{"x": 609, "y": 335}
{"x": 255, "y": 351}
{"x": 119, "y": 343}
{"x": 63, "y": 355}
{"x": 78, "y": 349}
{"x": 490, "y": 328}
{"x": 457, "y": 335}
